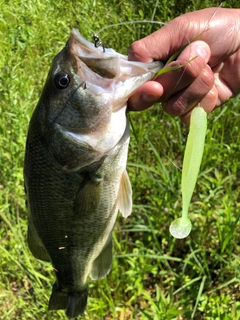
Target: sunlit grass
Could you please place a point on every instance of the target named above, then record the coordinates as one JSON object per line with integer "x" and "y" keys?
{"x": 154, "y": 276}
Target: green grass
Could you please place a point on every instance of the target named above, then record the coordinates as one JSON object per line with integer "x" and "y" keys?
{"x": 154, "y": 276}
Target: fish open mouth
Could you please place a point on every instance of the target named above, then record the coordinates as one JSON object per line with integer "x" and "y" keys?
{"x": 93, "y": 51}
{"x": 104, "y": 62}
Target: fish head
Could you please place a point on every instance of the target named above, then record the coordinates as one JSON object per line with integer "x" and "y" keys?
{"x": 86, "y": 93}
{"x": 71, "y": 95}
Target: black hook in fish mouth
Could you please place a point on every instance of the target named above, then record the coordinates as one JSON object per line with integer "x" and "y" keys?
{"x": 98, "y": 43}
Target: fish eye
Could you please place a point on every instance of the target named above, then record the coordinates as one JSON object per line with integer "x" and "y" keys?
{"x": 62, "y": 80}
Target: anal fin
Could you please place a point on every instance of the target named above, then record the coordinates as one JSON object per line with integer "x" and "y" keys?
{"x": 103, "y": 263}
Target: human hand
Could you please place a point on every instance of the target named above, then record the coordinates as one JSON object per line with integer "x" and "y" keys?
{"x": 210, "y": 79}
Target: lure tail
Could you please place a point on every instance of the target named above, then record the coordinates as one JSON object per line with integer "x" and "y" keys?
{"x": 75, "y": 302}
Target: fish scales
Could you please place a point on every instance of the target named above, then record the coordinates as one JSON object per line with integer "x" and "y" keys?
{"x": 75, "y": 165}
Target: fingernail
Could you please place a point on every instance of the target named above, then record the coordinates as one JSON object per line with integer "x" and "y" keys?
{"x": 202, "y": 51}
{"x": 149, "y": 97}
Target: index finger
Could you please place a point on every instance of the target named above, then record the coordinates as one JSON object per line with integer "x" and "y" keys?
{"x": 159, "y": 45}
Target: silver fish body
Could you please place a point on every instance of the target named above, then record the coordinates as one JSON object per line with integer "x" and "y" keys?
{"x": 75, "y": 165}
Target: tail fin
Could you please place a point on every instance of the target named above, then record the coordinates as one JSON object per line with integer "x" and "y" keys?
{"x": 74, "y": 302}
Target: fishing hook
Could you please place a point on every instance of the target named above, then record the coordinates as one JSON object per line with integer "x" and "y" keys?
{"x": 98, "y": 43}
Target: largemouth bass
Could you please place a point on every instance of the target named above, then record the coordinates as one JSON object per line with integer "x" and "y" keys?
{"x": 75, "y": 165}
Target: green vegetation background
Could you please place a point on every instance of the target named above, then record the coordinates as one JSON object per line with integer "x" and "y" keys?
{"x": 154, "y": 276}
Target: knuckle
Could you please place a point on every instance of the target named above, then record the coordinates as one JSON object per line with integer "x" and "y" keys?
{"x": 193, "y": 68}
{"x": 174, "y": 108}
{"x": 207, "y": 78}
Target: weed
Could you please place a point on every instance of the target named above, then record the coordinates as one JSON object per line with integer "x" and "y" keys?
{"x": 154, "y": 276}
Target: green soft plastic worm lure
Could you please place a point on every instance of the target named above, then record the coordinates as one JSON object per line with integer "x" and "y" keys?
{"x": 181, "y": 227}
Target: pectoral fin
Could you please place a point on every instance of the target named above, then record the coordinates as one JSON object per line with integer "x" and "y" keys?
{"x": 124, "y": 201}
{"x": 103, "y": 263}
{"x": 88, "y": 198}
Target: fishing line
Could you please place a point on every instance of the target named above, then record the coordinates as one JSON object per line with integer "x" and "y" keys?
{"x": 154, "y": 22}
{"x": 173, "y": 57}
{"x": 132, "y": 22}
